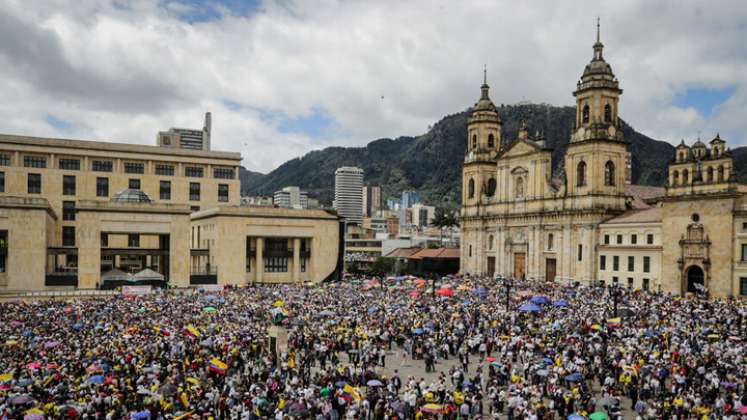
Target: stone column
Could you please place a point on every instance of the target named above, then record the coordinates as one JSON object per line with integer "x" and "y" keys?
{"x": 260, "y": 264}
{"x": 296, "y": 260}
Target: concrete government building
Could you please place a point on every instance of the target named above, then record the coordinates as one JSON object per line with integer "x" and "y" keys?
{"x": 591, "y": 225}
{"x": 86, "y": 214}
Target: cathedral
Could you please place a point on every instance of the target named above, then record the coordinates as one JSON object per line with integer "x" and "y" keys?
{"x": 519, "y": 221}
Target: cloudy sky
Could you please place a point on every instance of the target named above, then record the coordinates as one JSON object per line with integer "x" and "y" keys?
{"x": 285, "y": 77}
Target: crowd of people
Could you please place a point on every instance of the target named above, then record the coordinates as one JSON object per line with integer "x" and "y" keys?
{"x": 378, "y": 349}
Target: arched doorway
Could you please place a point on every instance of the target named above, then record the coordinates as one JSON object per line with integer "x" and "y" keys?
{"x": 695, "y": 279}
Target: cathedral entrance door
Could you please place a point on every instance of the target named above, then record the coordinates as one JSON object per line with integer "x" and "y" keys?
{"x": 550, "y": 269}
{"x": 695, "y": 279}
{"x": 491, "y": 266}
{"x": 519, "y": 260}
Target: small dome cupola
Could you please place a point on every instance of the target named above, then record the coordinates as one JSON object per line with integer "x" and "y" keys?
{"x": 131, "y": 195}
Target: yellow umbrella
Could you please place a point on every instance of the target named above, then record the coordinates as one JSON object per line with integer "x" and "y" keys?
{"x": 278, "y": 303}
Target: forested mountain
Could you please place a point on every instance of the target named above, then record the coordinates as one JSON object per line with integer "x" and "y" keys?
{"x": 432, "y": 162}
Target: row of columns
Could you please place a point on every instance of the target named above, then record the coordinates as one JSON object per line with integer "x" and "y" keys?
{"x": 259, "y": 262}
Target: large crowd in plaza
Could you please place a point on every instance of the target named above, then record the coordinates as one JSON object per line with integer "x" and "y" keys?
{"x": 367, "y": 350}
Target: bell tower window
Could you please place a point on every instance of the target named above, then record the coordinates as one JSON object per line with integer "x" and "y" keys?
{"x": 474, "y": 141}
{"x": 471, "y": 188}
{"x": 585, "y": 114}
{"x": 491, "y": 140}
{"x": 710, "y": 174}
{"x": 491, "y": 187}
{"x": 607, "y": 113}
{"x": 721, "y": 173}
{"x": 609, "y": 173}
{"x": 581, "y": 174}
{"x": 675, "y": 178}
{"x": 685, "y": 177}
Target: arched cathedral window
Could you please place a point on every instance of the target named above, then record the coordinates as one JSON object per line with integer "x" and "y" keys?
{"x": 490, "y": 242}
{"x": 709, "y": 176}
{"x": 581, "y": 174}
{"x": 471, "y": 188}
{"x": 685, "y": 176}
{"x": 607, "y": 113}
{"x": 585, "y": 114}
{"x": 675, "y": 178}
{"x": 474, "y": 141}
{"x": 720, "y": 173}
{"x": 519, "y": 187}
{"x": 491, "y": 140}
{"x": 491, "y": 187}
{"x": 609, "y": 173}
{"x": 550, "y": 240}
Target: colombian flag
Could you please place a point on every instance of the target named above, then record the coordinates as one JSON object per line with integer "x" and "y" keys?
{"x": 350, "y": 394}
{"x": 191, "y": 331}
{"x": 217, "y": 366}
{"x": 162, "y": 330}
{"x": 614, "y": 322}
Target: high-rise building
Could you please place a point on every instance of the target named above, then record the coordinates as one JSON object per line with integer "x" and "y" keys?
{"x": 408, "y": 199}
{"x": 365, "y": 196}
{"x": 184, "y": 138}
{"x": 348, "y": 197}
{"x": 291, "y": 197}
{"x": 375, "y": 200}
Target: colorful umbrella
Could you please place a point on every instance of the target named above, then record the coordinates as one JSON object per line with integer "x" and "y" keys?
{"x": 599, "y": 415}
{"x": 434, "y": 409}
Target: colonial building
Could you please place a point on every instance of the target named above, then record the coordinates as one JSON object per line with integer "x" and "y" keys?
{"x": 591, "y": 225}
{"x": 519, "y": 221}
{"x": 85, "y": 214}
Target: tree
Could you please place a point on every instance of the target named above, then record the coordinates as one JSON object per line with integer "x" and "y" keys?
{"x": 444, "y": 218}
{"x": 382, "y": 265}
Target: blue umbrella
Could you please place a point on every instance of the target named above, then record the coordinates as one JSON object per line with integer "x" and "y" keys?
{"x": 418, "y": 331}
{"x": 430, "y": 324}
{"x": 141, "y": 415}
{"x": 480, "y": 291}
{"x": 77, "y": 325}
{"x": 27, "y": 333}
{"x": 574, "y": 377}
{"x": 97, "y": 379}
{"x": 548, "y": 360}
{"x": 575, "y": 416}
{"x": 561, "y": 303}
{"x": 467, "y": 382}
{"x": 373, "y": 309}
{"x": 529, "y": 307}
{"x": 340, "y": 384}
{"x": 540, "y": 300}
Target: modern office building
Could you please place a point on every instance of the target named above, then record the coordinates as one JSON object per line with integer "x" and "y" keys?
{"x": 185, "y": 138}
{"x": 291, "y": 198}
{"x": 348, "y": 194}
{"x": 85, "y": 214}
{"x": 409, "y": 198}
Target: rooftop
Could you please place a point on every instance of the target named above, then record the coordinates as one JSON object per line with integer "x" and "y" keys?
{"x": 650, "y": 215}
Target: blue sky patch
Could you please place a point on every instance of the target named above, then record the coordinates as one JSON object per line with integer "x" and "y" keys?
{"x": 58, "y": 123}
{"x": 704, "y": 100}
{"x": 209, "y": 10}
{"x": 319, "y": 124}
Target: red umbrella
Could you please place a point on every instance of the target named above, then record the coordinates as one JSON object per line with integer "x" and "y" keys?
{"x": 490, "y": 359}
{"x": 445, "y": 292}
{"x": 415, "y": 294}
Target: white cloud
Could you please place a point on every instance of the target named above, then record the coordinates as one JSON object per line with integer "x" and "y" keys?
{"x": 122, "y": 70}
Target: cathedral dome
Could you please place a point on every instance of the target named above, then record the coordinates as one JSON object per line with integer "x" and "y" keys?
{"x": 598, "y": 73}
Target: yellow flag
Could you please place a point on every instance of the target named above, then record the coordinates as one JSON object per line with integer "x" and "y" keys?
{"x": 185, "y": 401}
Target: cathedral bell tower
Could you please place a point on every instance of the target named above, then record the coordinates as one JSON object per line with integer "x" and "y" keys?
{"x": 483, "y": 144}
{"x": 595, "y": 161}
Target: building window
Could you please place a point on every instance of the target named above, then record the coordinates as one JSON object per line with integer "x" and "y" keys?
{"x": 675, "y": 178}
{"x": 581, "y": 174}
{"x": 609, "y": 173}
{"x": 68, "y": 210}
{"x": 580, "y": 252}
{"x": 223, "y": 193}
{"x": 133, "y": 184}
{"x": 4, "y": 160}
{"x": 223, "y": 173}
{"x": 720, "y": 173}
{"x": 471, "y": 188}
{"x": 133, "y": 240}
{"x": 34, "y": 183}
{"x": 166, "y": 170}
{"x": 304, "y": 252}
{"x": 685, "y": 176}
{"x": 4, "y": 255}
{"x": 474, "y": 141}
{"x": 619, "y": 239}
{"x": 550, "y": 241}
{"x": 102, "y": 187}
{"x": 470, "y": 250}
{"x": 744, "y": 252}
{"x": 194, "y": 191}
{"x": 615, "y": 280}
{"x": 68, "y": 236}
{"x": 744, "y": 225}
{"x": 491, "y": 187}
{"x": 646, "y": 284}
{"x": 69, "y": 164}
{"x": 165, "y": 190}
{"x": 585, "y": 114}
{"x": 491, "y": 140}
{"x": 743, "y": 286}
{"x": 616, "y": 263}
{"x": 193, "y": 171}
{"x": 607, "y": 113}
{"x": 602, "y": 262}
{"x": 631, "y": 263}
{"x": 104, "y": 239}
{"x": 35, "y": 161}
{"x": 606, "y": 239}
{"x": 709, "y": 178}
{"x": 134, "y": 168}
{"x": 630, "y": 282}
{"x": 646, "y": 264}
{"x": 102, "y": 165}
{"x": 2, "y": 182}
{"x": 276, "y": 255}
{"x": 194, "y": 208}
{"x": 68, "y": 185}
{"x": 490, "y": 242}
{"x": 634, "y": 239}
{"x": 650, "y": 239}
{"x": 519, "y": 187}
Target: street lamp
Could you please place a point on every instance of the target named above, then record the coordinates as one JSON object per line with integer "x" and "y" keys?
{"x": 614, "y": 293}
